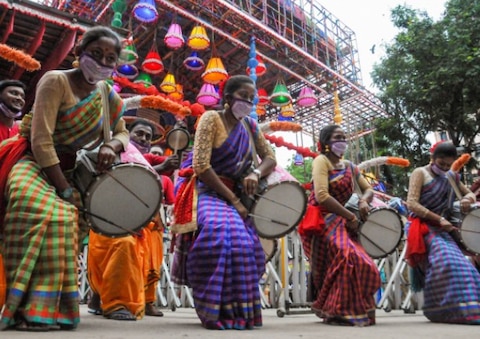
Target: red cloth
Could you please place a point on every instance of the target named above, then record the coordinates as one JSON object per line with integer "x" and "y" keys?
{"x": 8, "y": 132}
{"x": 312, "y": 222}
{"x": 168, "y": 190}
{"x": 154, "y": 160}
{"x": 184, "y": 209}
{"x": 416, "y": 249}
{"x": 10, "y": 154}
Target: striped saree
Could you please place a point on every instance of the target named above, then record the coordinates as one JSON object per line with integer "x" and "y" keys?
{"x": 344, "y": 277}
{"x": 225, "y": 261}
{"x": 451, "y": 284}
{"x": 40, "y": 229}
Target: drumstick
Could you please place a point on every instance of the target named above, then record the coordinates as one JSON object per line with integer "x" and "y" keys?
{"x": 385, "y": 227}
{"x": 470, "y": 231}
{"x": 278, "y": 203}
{"x": 268, "y": 219}
{"x": 128, "y": 189}
{"x": 84, "y": 210}
{"x": 373, "y": 243}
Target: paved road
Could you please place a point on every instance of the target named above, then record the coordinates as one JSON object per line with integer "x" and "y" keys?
{"x": 183, "y": 323}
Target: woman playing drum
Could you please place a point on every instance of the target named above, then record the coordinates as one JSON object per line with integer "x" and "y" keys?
{"x": 450, "y": 283}
{"x": 40, "y": 221}
{"x": 344, "y": 277}
{"x": 226, "y": 260}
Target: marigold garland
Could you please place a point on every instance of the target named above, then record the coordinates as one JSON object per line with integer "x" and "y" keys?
{"x": 158, "y": 102}
{"x": 282, "y": 126}
{"x": 397, "y": 161}
{"x": 19, "y": 57}
{"x": 460, "y": 162}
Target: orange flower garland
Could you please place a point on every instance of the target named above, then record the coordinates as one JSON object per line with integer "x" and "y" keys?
{"x": 460, "y": 162}
{"x": 158, "y": 102}
{"x": 397, "y": 161}
{"x": 19, "y": 57}
{"x": 284, "y": 126}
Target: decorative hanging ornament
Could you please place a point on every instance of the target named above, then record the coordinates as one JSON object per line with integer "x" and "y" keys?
{"x": 174, "y": 37}
{"x": 198, "y": 39}
{"x": 298, "y": 160}
{"x": 145, "y": 11}
{"x": 128, "y": 55}
{"x": 208, "y": 96}
{"x": 178, "y": 94}
{"x": 262, "y": 97}
{"x": 287, "y": 110}
{"x": 280, "y": 95}
{"x": 306, "y": 97}
{"x": 194, "y": 62}
{"x": 260, "y": 69}
{"x": 143, "y": 78}
{"x": 168, "y": 84}
{"x": 261, "y": 110}
{"x": 153, "y": 63}
{"x": 215, "y": 71}
{"x": 337, "y": 115}
{"x": 127, "y": 71}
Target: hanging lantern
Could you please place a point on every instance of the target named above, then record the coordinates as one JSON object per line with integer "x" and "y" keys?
{"x": 261, "y": 69}
{"x": 194, "y": 62}
{"x": 208, "y": 96}
{"x": 215, "y": 72}
{"x": 116, "y": 87}
{"x": 117, "y": 20}
{"x": 306, "y": 97}
{"x": 128, "y": 55}
{"x": 262, "y": 96}
{"x": 168, "y": 84}
{"x": 153, "y": 63}
{"x": 174, "y": 37}
{"x": 118, "y": 7}
{"x": 198, "y": 39}
{"x": 337, "y": 115}
{"x": 178, "y": 94}
{"x": 298, "y": 160}
{"x": 127, "y": 71}
{"x": 261, "y": 110}
{"x": 287, "y": 110}
{"x": 145, "y": 11}
{"x": 280, "y": 95}
{"x": 144, "y": 78}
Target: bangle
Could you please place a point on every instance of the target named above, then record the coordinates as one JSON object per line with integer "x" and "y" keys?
{"x": 441, "y": 219}
{"x": 109, "y": 146}
{"x": 236, "y": 201}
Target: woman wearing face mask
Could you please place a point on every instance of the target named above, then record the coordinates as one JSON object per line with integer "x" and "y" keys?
{"x": 450, "y": 283}
{"x": 225, "y": 259}
{"x": 344, "y": 277}
{"x": 37, "y": 212}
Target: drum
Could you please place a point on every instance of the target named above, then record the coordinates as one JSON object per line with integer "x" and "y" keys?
{"x": 270, "y": 247}
{"x": 468, "y": 237}
{"x": 382, "y": 232}
{"x": 120, "y": 201}
{"x": 279, "y": 206}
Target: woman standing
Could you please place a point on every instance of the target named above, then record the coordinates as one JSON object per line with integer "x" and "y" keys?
{"x": 344, "y": 277}
{"x": 450, "y": 283}
{"x": 225, "y": 262}
{"x": 40, "y": 221}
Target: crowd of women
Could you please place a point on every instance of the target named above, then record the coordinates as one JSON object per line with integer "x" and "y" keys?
{"x": 217, "y": 250}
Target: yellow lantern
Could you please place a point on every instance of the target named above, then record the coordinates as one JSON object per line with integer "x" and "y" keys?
{"x": 168, "y": 84}
{"x": 198, "y": 39}
{"x": 215, "y": 71}
{"x": 178, "y": 94}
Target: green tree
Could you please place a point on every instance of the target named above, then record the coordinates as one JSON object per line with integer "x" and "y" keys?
{"x": 303, "y": 173}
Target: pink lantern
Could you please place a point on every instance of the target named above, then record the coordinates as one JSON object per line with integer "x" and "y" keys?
{"x": 306, "y": 97}
{"x": 174, "y": 37}
{"x": 208, "y": 96}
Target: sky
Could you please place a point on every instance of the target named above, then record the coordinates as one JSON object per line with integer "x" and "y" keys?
{"x": 370, "y": 20}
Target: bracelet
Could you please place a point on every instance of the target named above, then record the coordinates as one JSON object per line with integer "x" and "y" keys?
{"x": 236, "y": 201}
{"x": 109, "y": 146}
{"x": 441, "y": 219}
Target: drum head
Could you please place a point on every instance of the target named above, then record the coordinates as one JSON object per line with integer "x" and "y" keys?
{"x": 382, "y": 232}
{"x": 125, "y": 199}
{"x": 279, "y": 209}
{"x": 178, "y": 139}
{"x": 270, "y": 247}
{"x": 470, "y": 231}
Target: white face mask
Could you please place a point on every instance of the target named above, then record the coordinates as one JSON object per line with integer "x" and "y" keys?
{"x": 92, "y": 70}
{"x": 338, "y": 148}
{"x": 241, "y": 108}
{"x": 8, "y": 112}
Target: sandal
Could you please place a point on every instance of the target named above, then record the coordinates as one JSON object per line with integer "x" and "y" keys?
{"x": 150, "y": 310}
{"x": 122, "y": 314}
{"x": 95, "y": 311}
{"x": 25, "y": 326}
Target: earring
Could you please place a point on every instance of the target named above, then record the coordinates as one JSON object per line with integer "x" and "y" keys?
{"x": 75, "y": 63}
{"x": 327, "y": 149}
{"x": 226, "y": 106}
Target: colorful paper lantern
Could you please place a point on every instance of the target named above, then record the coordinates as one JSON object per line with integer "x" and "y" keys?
{"x": 261, "y": 69}
{"x": 298, "y": 160}
{"x": 127, "y": 71}
{"x": 287, "y": 110}
{"x": 194, "y": 62}
{"x": 178, "y": 94}
{"x": 174, "y": 37}
{"x": 128, "y": 55}
{"x": 168, "y": 84}
{"x": 208, "y": 96}
{"x": 337, "y": 115}
{"x": 263, "y": 96}
{"x": 261, "y": 110}
{"x": 117, "y": 20}
{"x": 280, "y": 95}
{"x": 215, "y": 71}
{"x": 153, "y": 63}
{"x": 306, "y": 97}
{"x": 143, "y": 78}
{"x": 198, "y": 39}
{"x": 145, "y": 11}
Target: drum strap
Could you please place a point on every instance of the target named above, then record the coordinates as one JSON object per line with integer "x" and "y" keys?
{"x": 103, "y": 88}
{"x": 454, "y": 185}
{"x": 252, "y": 143}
